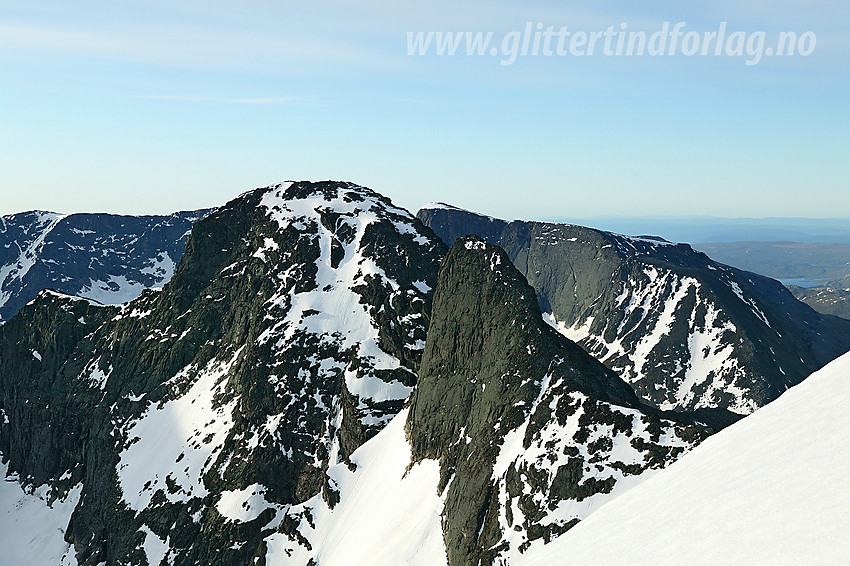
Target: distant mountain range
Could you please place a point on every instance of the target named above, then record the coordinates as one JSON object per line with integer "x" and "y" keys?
{"x": 326, "y": 379}
{"x": 105, "y": 257}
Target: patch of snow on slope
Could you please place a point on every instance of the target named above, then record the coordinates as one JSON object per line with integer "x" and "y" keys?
{"x": 117, "y": 290}
{"x": 96, "y": 376}
{"x": 243, "y": 505}
{"x": 387, "y": 515}
{"x": 749, "y": 302}
{"x": 161, "y": 267}
{"x": 422, "y": 286}
{"x": 177, "y": 441}
{"x": 710, "y": 359}
{"x": 666, "y": 317}
{"x": 32, "y": 532}
{"x": 155, "y": 548}
{"x": 576, "y": 333}
{"x": 771, "y": 489}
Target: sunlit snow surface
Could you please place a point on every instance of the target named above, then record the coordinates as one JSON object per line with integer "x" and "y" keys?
{"x": 32, "y": 531}
{"x": 176, "y": 442}
{"x": 773, "y": 488}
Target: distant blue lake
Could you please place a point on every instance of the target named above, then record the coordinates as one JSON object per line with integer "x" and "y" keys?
{"x": 803, "y": 282}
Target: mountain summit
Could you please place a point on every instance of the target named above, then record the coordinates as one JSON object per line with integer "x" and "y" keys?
{"x": 191, "y": 417}
{"x": 530, "y": 431}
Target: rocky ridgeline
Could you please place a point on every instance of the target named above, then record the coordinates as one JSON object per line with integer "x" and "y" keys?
{"x": 686, "y": 332}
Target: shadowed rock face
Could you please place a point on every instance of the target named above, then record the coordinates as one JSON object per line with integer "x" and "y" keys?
{"x": 525, "y": 424}
{"x": 290, "y": 333}
{"x": 684, "y": 331}
{"x": 106, "y": 257}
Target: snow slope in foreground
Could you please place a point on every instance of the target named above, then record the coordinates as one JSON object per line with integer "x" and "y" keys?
{"x": 32, "y": 533}
{"x": 773, "y": 488}
{"x": 388, "y": 514}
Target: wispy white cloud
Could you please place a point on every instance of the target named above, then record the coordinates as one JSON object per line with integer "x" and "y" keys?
{"x": 190, "y": 46}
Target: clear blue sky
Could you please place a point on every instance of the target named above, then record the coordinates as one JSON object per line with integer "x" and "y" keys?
{"x": 153, "y": 106}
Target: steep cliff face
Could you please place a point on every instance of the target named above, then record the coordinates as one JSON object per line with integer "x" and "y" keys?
{"x": 106, "y": 257}
{"x": 531, "y": 433}
{"x": 686, "y": 332}
{"x": 195, "y": 416}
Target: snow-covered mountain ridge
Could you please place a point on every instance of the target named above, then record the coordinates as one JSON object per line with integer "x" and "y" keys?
{"x": 323, "y": 382}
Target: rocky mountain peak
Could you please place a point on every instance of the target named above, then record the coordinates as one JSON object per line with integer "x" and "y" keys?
{"x": 497, "y": 384}
{"x": 288, "y": 336}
